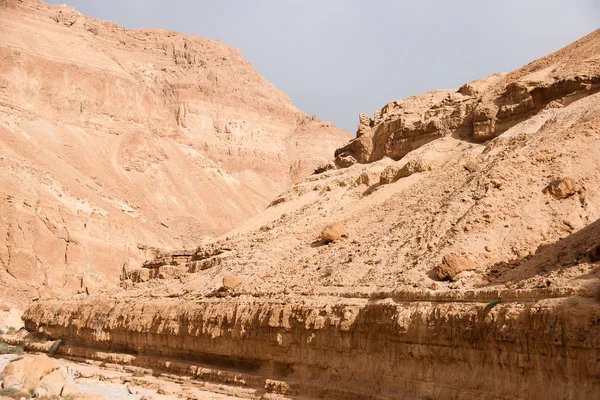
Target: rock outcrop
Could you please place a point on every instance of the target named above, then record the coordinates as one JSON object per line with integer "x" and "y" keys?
{"x": 346, "y": 349}
{"x": 480, "y": 110}
{"x": 116, "y": 142}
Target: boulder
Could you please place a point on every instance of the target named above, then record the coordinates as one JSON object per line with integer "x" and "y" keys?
{"x": 51, "y": 385}
{"x": 562, "y": 188}
{"x": 333, "y": 232}
{"x": 232, "y": 282}
{"x": 28, "y": 372}
{"x": 392, "y": 173}
{"x": 471, "y": 165}
{"x": 452, "y": 265}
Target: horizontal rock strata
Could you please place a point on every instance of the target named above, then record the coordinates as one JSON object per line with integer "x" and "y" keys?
{"x": 351, "y": 349}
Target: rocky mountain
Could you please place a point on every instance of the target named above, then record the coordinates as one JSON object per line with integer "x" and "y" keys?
{"x": 115, "y": 144}
{"x": 452, "y": 253}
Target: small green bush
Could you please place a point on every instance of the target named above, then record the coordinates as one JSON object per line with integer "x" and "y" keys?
{"x": 5, "y": 348}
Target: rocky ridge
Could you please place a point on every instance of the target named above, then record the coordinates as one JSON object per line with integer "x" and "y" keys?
{"x": 480, "y": 110}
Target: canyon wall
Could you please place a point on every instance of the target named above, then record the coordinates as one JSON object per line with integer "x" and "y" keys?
{"x": 115, "y": 143}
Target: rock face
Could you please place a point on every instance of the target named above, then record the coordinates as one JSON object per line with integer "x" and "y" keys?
{"x": 480, "y": 110}
{"x": 353, "y": 349}
{"x": 467, "y": 186}
{"x": 115, "y": 142}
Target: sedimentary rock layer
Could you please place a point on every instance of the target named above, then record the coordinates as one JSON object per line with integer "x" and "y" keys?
{"x": 353, "y": 348}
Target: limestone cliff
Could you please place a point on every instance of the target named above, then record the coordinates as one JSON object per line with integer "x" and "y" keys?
{"x": 464, "y": 268}
{"x": 115, "y": 142}
{"x": 465, "y": 264}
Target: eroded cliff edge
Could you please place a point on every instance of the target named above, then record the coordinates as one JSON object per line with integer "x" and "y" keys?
{"x": 480, "y": 110}
{"x": 337, "y": 348}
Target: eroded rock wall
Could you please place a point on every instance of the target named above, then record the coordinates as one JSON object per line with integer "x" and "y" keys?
{"x": 356, "y": 348}
{"x": 114, "y": 142}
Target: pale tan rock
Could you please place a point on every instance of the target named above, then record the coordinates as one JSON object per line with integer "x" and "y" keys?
{"x": 471, "y": 165}
{"x": 390, "y": 174}
{"x": 51, "y": 384}
{"x": 395, "y": 172}
{"x": 82, "y": 159}
{"x": 452, "y": 265}
{"x": 232, "y": 282}
{"x": 27, "y": 372}
{"x": 334, "y": 231}
{"x": 481, "y": 109}
{"x": 364, "y": 312}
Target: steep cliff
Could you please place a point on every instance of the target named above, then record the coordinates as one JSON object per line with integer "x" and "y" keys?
{"x": 115, "y": 142}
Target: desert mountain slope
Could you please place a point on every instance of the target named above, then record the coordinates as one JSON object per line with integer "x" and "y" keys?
{"x": 491, "y": 202}
{"x": 114, "y": 142}
{"x": 468, "y": 267}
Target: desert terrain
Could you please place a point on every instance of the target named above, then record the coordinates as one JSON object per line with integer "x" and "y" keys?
{"x": 176, "y": 227}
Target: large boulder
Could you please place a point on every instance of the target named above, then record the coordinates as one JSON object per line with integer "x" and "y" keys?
{"x": 452, "y": 265}
{"x": 27, "y": 372}
{"x": 51, "y": 385}
{"x": 333, "y": 232}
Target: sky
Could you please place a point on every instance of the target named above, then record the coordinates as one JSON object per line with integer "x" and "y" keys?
{"x": 339, "y": 58}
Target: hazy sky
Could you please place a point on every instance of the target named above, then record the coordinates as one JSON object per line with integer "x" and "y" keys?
{"x": 339, "y": 58}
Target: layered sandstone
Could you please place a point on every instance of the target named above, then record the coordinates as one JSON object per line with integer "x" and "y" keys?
{"x": 331, "y": 348}
{"x": 115, "y": 142}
